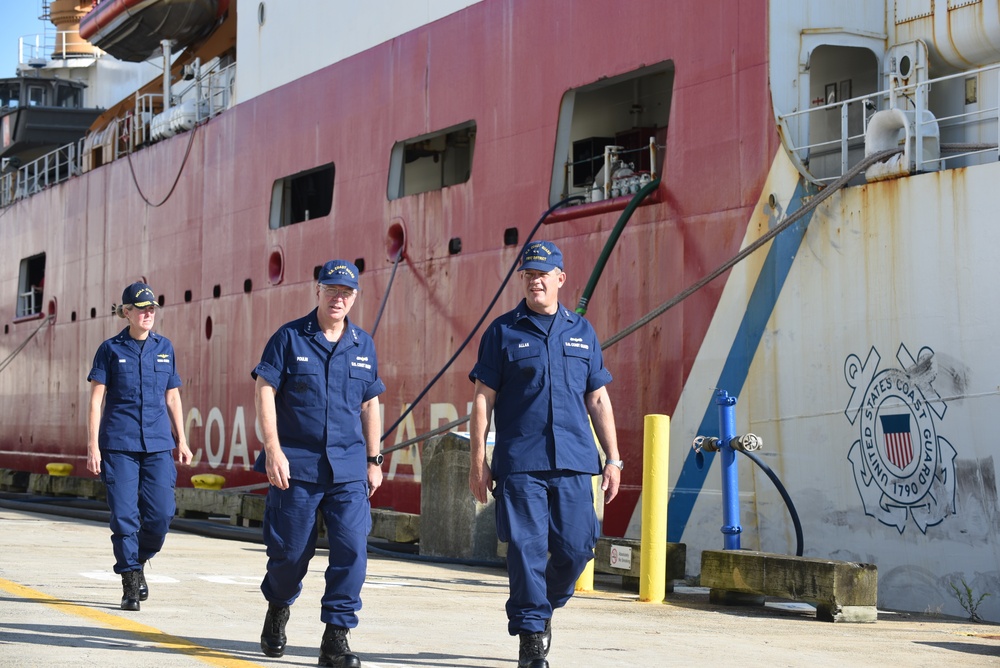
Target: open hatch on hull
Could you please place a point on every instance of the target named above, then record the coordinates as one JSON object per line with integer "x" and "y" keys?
{"x": 629, "y": 113}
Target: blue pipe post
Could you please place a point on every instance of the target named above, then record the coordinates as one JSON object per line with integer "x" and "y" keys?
{"x": 731, "y": 528}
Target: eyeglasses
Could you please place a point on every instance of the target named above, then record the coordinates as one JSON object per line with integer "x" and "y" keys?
{"x": 331, "y": 292}
{"x": 142, "y": 309}
{"x": 531, "y": 274}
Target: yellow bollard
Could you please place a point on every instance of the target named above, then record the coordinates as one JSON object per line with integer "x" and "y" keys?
{"x": 208, "y": 481}
{"x": 59, "y": 469}
{"x": 655, "y": 480}
{"x": 586, "y": 580}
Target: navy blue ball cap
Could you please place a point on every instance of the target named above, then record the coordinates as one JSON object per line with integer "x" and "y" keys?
{"x": 339, "y": 272}
{"x": 541, "y": 256}
{"x": 140, "y": 295}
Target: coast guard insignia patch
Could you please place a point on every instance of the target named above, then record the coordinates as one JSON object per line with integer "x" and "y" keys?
{"x": 902, "y": 467}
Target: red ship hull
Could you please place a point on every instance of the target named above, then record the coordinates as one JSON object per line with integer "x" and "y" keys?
{"x": 210, "y": 240}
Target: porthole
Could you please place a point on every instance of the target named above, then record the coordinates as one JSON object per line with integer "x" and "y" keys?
{"x": 276, "y": 267}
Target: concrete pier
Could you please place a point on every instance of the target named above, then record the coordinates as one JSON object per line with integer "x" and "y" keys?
{"x": 59, "y": 607}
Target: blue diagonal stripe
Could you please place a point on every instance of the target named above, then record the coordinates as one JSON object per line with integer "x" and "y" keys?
{"x": 737, "y": 367}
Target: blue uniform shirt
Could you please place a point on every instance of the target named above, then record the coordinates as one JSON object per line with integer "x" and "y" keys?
{"x": 540, "y": 381}
{"x": 320, "y": 387}
{"x": 137, "y": 377}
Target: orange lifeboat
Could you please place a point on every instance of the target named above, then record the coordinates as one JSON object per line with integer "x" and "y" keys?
{"x": 132, "y": 30}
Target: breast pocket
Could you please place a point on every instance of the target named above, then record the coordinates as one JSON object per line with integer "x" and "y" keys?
{"x": 304, "y": 384}
{"x": 577, "y": 361}
{"x": 526, "y": 366}
{"x": 162, "y": 376}
{"x": 361, "y": 378}
{"x": 124, "y": 383}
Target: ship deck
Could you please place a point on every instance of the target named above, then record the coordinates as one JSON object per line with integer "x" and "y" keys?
{"x": 59, "y": 606}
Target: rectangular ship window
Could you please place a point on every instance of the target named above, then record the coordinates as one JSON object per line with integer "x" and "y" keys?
{"x": 30, "y": 286}
{"x": 302, "y": 196}
{"x": 10, "y": 95}
{"x": 37, "y": 96}
{"x": 628, "y": 112}
{"x": 432, "y": 161}
{"x": 68, "y": 97}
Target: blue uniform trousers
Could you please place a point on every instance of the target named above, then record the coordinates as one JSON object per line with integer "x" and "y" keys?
{"x": 290, "y": 530}
{"x": 548, "y": 521}
{"x": 140, "y": 489}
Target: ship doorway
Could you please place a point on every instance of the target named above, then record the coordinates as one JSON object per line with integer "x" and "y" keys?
{"x": 625, "y": 111}
{"x": 838, "y": 74}
{"x": 30, "y": 286}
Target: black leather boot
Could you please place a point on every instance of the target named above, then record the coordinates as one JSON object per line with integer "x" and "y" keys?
{"x": 272, "y": 637}
{"x": 547, "y": 637}
{"x": 533, "y": 651}
{"x": 130, "y": 590}
{"x": 143, "y": 587}
{"x": 335, "y": 652}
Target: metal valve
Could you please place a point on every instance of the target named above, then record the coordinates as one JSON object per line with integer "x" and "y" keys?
{"x": 706, "y": 443}
{"x": 747, "y": 442}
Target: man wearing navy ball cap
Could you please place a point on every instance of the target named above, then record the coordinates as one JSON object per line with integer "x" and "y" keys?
{"x": 540, "y": 372}
{"x": 317, "y": 388}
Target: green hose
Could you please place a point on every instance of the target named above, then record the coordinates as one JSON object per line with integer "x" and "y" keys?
{"x": 609, "y": 245}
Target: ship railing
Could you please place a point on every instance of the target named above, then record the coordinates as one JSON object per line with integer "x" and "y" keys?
{"x": 54, "y": 167}
{"x": 136, "y": 132}
{"x": 213, "y": 89}
{"x": 214, "y": 92}
{"x": 974, "y": 132}
{"x": 36, "y": 50}
{"x": 29, "y": 303}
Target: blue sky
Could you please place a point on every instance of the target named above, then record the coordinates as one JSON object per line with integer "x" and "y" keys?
{"x": 19, "y": 18}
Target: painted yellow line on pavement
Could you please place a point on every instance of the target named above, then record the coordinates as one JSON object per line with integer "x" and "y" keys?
{"x": 147, "y": 633}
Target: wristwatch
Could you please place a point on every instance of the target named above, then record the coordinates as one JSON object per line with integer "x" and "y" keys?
{"x": 376, "y": 460}
{"x": 615, "y": 462}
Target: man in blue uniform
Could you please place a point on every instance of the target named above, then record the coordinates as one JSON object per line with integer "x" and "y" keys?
{"x": 541, "y": 373}
{"x": 317, "y": 388}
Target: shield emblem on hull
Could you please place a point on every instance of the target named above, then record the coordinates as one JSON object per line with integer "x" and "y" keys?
{"x": 896, "y": 439}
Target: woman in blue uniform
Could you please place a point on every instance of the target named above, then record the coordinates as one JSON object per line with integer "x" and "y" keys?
{"x": 134, "y": 423}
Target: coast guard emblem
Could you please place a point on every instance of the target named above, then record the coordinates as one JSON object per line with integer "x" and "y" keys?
{"x": 902, "y": 467}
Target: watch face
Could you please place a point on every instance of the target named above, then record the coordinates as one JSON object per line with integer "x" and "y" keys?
{"x": 377, "y": 459}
